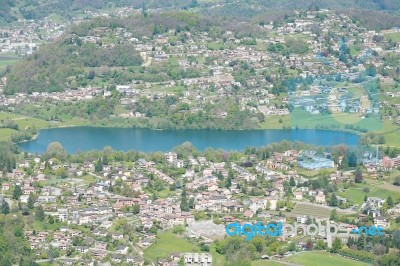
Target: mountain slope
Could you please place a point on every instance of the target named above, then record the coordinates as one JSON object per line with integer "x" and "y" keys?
{"x": 38, "y": 9}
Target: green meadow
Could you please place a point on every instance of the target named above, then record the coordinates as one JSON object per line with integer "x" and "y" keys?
{"x": 166, "y": 244}
{"x": 318, "y": 258}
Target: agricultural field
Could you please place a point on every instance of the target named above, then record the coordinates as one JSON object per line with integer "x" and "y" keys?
{"x": 313, "y": 210}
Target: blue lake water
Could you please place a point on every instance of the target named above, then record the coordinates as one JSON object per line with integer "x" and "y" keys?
{"x": 91, "y": 138}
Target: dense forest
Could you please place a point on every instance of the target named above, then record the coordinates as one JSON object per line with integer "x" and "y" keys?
{"x": 7, "y": 156}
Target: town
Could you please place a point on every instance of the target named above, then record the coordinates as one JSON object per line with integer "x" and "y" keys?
{"x": 111, "y": 206}
{"x": 151, "y": 68}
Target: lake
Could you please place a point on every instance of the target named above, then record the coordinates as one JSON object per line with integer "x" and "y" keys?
{"x": 76, "y": 139}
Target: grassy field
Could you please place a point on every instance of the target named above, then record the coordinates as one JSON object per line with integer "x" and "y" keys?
{"x": 6, "y": 133}
{"x": 218, "y": 259}
{"x": 356, "y": 194}
{"x": 315, "y": 173}
{"x": 318, "y": 258}
{"x": 395, "y": 36}
{"x": 391, "y": 133}
{"x": 88, "y": 179}
{"x": 6, "y": 60}
{"x": 272, "y": 122}
{"x": 354, "y": 50}
{"x": 266, "y": 263}
{"x": 304, "y": 119}
{"x": 167, "y": 244}
{"x": 24, "y": 121}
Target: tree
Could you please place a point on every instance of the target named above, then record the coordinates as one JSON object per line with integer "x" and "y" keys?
{"x": 25, "y": 210}
{"x": 55, "y": 149}
{"x": 99, "y": 166}
{"x": 336, "y": 245}
{"x": 334, "y": 215}
{"x": 17, "y": 193}
{"x": 292, "y": 246}
{"x": 396, "y": 181}
{"x": 91, "y": 74}
{"x": 396, "y": 239}
{"x": 388, "y": 259}
{"x": 379, "y": 249}
{"x": 292, "y": 182}
{"x": 228, "y": 182}
{"x": 31, "y": 201}
{"x": 5, "y": 208}
{"x": 178, "y": 229}
{"x": 359, "y": 176}
{"x": 334, "y": 200}
{"x": 352, "y": 159}
{"x": 390, "y": 202}
{"x": 204, "y": 247}
{"x": 191, "y": 202}
{"x": 184, "y": 202}
{"x": 7, "y": 158}
{"x": 39, "y": 215}
{"x": 309, "y": 244}
{"x": 351, "y": 242}
{"x": 361, "y": 242}
{"x": 136, "y": 209}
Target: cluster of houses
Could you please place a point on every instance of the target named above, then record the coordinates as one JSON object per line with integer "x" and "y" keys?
{"x": 373, "y": 207}
{"x": 77, "y": 204}
{"x": 219, "y": 74}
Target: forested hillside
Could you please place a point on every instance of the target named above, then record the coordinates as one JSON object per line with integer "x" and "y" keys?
{"x": 74, "y": 59}
{"x": 37, "y": 9}
{"x": 14, "y": 249}
{"x": 48, "y": 69}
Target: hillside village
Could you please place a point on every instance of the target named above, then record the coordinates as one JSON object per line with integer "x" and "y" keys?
{"x": 333, "y": 67}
